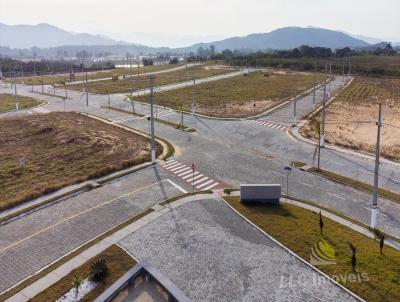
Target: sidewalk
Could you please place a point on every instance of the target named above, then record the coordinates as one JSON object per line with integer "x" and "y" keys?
{"x": 38, "y": 286}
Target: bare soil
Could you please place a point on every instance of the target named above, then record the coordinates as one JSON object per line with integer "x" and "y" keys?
{"x": 239, "y": 96}
{"x": 44, "y": 152}
{"x": 351, "y": 118}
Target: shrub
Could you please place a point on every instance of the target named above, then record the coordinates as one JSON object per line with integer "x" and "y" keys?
{"x": 99, "y": 270}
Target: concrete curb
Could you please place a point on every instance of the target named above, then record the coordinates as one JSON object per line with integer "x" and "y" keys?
{"x": 294, "y": 254}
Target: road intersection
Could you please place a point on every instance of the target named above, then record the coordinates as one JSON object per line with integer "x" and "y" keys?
{"x": 226, "y": 153}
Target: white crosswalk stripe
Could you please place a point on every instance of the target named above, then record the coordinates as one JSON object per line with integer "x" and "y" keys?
{"x": 271, "y": 125}
{"x": 185, "y": 172}
{"x": 191, "y": 175}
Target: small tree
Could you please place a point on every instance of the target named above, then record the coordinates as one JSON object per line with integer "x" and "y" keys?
{"x": 76, "y": 282}
{"x": 353, "y": 256}
{"x": 381, "y": 243}
{"x": 321, "y": 222}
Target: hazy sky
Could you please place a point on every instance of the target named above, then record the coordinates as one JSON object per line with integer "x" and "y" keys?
{"x": 208, "y": 17}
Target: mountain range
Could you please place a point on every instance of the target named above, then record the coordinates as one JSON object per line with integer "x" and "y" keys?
{"x": 286, "y": 38}
{"x": 47, "y": 36}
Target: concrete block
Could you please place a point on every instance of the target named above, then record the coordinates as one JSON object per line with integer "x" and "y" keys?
{"x": 260, "y": 193}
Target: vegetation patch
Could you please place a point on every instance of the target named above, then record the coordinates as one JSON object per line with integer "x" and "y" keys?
{"x": 239, "y": 96}
{"x": 143, "y": 82}
{"x": 45, "y": 152}
{"x": 7, "y": 102}
{"x": 376, "y": 276}
{"x": 65, "y": 77}
{"x": 351, "y": 118}
{"x": 117, "y": 262}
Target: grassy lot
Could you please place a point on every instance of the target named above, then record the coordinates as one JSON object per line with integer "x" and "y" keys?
{"x": 298, "y": 229}
{"x": 239, "y": 96}
{"x": 350, "y": 119}
{"x": 7, "y": 102}
{"x": 369, "y": 65}
{"x": 57, "y": 79}
{"x": 118, "y": 262}
{"x": 61, "y": 149}
{"x": 141, "y": 82}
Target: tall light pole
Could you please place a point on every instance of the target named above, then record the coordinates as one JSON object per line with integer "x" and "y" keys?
{"x": 374, "y": 206}
{"x": 322, "y": 140}
{"x": 87, "y": 90}
{"x": 315, "y": 84}
{"x": 16, "y": 97}
{"x": 153, "y": 143}
{"x": 330, "y": 74}
{"x": 288, "y": 170}
{"x": 194, "y": 95}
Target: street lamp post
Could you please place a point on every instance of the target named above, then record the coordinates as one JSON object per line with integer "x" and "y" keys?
{"x": 374, "y": 207}
{"x": 288, "y": 170}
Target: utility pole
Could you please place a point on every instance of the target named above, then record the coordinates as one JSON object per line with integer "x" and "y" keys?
{"x": 343, "y": 71}
{"x": 295, "y": 104}
{"x": 87, "y": 90}
{"x": 322, "y": 140}
{"x": 330, "y": 74}
{"x": 315, "y": 84}
{"x": 16, "y": 97}
{"x": 319, "y": 146}
{"x": 194, "y": 95}
{"x": 153, "y": 143}
{"x": 349, "y": 73}
{"x": 374, "y": 207}
{"x": 34, "y": 68}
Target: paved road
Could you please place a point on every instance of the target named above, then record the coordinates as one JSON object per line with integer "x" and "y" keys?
{"x": 230, "y": 152}
{"x": 212, "y": 254}
{"x": 30, "y": 243}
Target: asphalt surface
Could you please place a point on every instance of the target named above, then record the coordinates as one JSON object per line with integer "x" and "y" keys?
{"x": 212, "y": 254}
{"x": 229, "y": 152}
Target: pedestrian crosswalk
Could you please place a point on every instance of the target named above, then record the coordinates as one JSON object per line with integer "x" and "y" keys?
{"x": 186, "y": 174}
{"x": 271, "y": 125}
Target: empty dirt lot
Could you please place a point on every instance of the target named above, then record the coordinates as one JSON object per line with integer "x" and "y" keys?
{"x": 352, "y": 116}
{"x": 60, "y": 149}
{"x": 239, "y": 96}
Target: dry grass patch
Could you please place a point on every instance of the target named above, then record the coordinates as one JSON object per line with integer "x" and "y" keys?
{"x": 118, "y": 263}
{"x": 239, "y": 96}
{"x": 350, "y": 119}
{"x": 298, "y": 229}
{"x": 61, "y": 149}
{"x": 60, "y": 78}
{"x": 142, "y": 82}
{"x": 7, "y": 102}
